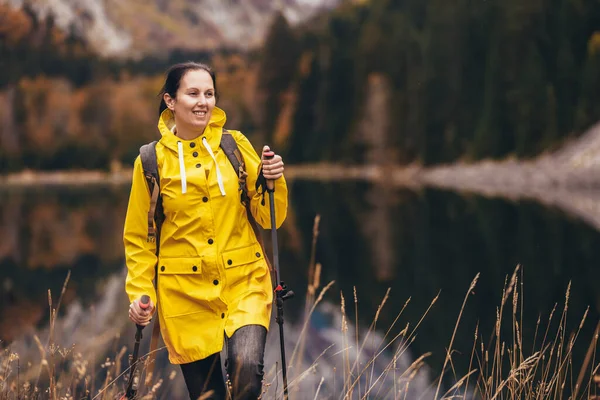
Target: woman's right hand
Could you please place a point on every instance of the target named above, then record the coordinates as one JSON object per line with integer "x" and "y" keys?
{"x": 139, "y": 315}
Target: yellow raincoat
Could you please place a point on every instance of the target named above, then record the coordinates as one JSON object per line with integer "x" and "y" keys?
{"x": 212, "y": 274}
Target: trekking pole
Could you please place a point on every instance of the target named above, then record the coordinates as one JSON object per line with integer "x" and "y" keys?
{"x": 281, "y": 291}
{"x": 132, "y": 383}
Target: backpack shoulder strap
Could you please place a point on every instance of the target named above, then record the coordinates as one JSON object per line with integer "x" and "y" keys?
{"x": 148, "y": 156}
{"x": 150, "y": 166}
{"x": 230, "y": 147}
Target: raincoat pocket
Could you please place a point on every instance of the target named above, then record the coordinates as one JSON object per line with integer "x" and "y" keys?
{"x": 247, "y": 274}
{"x": 182, "y": 288}
{"x": 242, "y": 256}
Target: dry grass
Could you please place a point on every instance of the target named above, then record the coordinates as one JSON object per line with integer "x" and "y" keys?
{"x": 500, "y": 367}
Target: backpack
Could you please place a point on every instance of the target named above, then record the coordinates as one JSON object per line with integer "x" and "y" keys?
{"x": 156, "y": 214}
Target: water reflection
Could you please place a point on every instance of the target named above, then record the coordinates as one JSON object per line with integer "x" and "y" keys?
{"x": 46, "y": 232}
{"x": 438, "y": 241}
{"x": 417, "y": 243}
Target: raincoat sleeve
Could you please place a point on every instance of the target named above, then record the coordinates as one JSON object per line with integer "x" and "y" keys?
{"x": 259, "y": 202}
{"x": 140, "y": 255}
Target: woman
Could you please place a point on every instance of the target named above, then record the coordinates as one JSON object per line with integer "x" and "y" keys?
{"x": 214, "y": 287}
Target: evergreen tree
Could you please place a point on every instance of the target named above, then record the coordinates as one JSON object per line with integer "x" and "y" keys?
{"x": 305, "y": 141}
{"x": 279, "y": 59}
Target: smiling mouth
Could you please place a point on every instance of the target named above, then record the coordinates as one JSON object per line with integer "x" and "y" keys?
{"x": 200, "y": 113}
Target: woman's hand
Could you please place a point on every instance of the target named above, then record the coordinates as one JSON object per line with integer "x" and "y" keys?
{"x": 272, "y": 168}
{"x": 139, "y": 315}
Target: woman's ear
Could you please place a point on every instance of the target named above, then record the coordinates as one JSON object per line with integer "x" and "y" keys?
{"x": 169, "y": 101}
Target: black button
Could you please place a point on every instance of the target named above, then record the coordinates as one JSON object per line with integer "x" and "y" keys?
{"x": 192, "y": 145}
{"x": 194, "y": 268}
{"x": 162, "y": 268}
{"x": 215, "y": 282}
{"x": 257, "y": 254}
{"x": 195, "y": 154}
{"x": 198, "y": 165}
{"x": 229, "y": 262}
{"x": 205, "y": 199}
{"x": 222, "y": 315}
{"x": 210, "y": 241}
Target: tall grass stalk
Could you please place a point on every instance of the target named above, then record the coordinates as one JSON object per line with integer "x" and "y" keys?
{"x": 586, "y": 362}
{"x": 373, "y": 329}
{"x": 448, "y": 353}
{"x": 403, "y": 347}
{"x": 498, "y": 368}
{"x": 314, "y": 282}
{"x": 356, "y": 325}
{"x": 307, "y": 319}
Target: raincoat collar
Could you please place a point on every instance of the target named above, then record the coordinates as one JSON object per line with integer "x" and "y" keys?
{"x": 212, "y": 132}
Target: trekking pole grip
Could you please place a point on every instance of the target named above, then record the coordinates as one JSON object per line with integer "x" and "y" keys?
{"x": 270, "y": 183}
{"x": 144, "y": 304}
{"x": 132, "y": 382}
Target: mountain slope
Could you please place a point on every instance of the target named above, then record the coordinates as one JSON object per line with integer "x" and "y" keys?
{"x": 141, "y": 27}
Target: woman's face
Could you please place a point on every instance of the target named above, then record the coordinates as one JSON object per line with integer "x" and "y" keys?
{"x": 194, "y": 101}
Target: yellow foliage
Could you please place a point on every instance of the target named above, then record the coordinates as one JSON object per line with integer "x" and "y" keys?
{"x": 306, "y": 60}
{"x": 594, "y": 44}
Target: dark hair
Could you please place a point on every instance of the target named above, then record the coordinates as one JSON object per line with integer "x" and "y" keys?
{"x": 173, "y": 79}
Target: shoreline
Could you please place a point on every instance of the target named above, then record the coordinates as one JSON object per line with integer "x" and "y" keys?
{"x": 486, "y": 177}
{"x": 491, "y": 177}
{"x": 316, "y": 171}
{"x": 30, "y": 178}
{"x": 574, "y": 167}
{"x": 567, "y": 184}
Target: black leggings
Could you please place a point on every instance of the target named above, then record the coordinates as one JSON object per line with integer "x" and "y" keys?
{"x": 244, "y": 363}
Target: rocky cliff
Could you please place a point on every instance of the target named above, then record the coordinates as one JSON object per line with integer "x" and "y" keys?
{"x": 141, "y": 27}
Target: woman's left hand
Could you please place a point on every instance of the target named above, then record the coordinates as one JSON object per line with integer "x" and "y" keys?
{"x": 272, "y": 168}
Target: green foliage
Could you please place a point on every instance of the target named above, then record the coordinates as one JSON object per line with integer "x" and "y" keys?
{"x": 305, "y": 140}
{"x": 277, "y": 69}
{"x": 469, "y": 79}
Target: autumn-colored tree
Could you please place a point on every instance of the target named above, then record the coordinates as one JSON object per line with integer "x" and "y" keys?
{"x": 589, "y": 103}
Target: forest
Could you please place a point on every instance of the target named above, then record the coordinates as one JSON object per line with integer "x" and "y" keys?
{"x": 421, "y": 82}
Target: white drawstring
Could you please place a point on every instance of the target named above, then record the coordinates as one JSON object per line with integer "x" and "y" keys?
{"x": 181, "y": 167}
{"x": 219, "y": 177}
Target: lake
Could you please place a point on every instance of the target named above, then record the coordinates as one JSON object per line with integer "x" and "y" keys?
{"x": 418, "y": 244}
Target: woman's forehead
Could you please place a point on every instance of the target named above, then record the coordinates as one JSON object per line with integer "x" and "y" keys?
{"x": 197, "y": 78}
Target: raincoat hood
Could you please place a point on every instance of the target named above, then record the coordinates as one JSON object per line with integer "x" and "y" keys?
{"x": 212, "y": 132}
{"x": 210, "y": 139}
